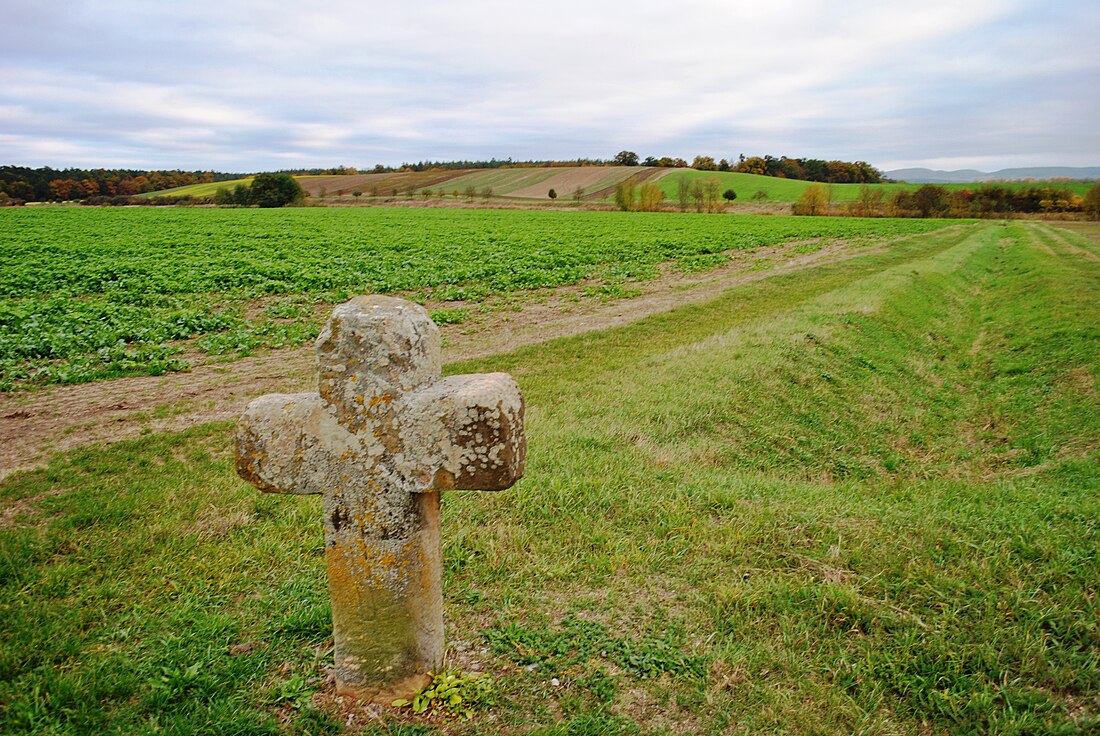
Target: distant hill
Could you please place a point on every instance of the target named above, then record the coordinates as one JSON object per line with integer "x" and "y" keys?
{"x": 965, "y": 176}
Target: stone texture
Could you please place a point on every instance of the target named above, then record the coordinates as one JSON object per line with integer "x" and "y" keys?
{"x": 382, "y": 437}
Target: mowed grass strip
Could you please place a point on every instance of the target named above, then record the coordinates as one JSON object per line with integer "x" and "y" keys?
{"x": 861, "y": 499}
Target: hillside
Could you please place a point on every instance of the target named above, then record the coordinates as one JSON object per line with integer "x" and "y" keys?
{"x": 595, "y": 184}
{"x": 966, "y": 176}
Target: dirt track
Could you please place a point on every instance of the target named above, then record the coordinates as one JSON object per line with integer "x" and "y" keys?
{"x": 36, "y": 424}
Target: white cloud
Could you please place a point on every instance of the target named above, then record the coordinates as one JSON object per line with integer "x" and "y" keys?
{"x": 361, "y": 81}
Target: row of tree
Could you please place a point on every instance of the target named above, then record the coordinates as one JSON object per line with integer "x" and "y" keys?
{"x": 806, "y": 169}
{"x": 933, "y": 200}
{"x": 702, "y": 195}
{"x": 24, "y": 184}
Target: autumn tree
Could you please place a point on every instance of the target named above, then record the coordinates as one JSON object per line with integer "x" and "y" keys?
{"x": 704, "y": 163}
{"x": 625, "y": 194}
{"x": 650, "y": 197}
{"x": 712, "y": 201}
{"x": 813, "y": 201}
{"x": 1091, "y": 203}
{"x": 931, "y": 200}
{"x": 626, "y": 158}
{"x": 683, "y": 192}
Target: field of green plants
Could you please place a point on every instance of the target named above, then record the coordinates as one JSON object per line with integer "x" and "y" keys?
{"x": 98, "y": 293}
{"x": 856, "y": 499}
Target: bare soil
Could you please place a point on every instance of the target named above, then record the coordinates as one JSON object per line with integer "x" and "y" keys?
{"x": 38, "y": 423}
{"x": 566, "y": 181}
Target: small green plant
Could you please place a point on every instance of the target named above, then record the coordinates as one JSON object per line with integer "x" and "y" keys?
{"x": 295, "y": 693}
{"x": 453, "y": 692}
{"x": 449, "y": 316}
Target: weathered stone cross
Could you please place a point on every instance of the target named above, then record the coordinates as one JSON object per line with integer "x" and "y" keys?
{"x": 383, "y": 437}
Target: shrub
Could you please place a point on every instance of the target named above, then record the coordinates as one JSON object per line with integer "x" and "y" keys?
{"x": 625, "y": 194}
{"x": 275, "y": 190}
{"x": 812, "y": 202}
{"x": 552, "y": 194}
{"x": 1091, "y": 204}
{"x": 650, "y": 197}
{"x": 729, "y": 195}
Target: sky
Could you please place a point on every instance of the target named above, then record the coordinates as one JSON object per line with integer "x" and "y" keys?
{"x": 248, "y": 85}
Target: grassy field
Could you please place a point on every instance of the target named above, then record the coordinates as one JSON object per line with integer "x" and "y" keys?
{"x": 857, "y": 500}
{"x": 199, "y": 190}
{"x": 100, "y": 293}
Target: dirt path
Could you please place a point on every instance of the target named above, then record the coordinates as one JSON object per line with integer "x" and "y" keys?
{"x": 36, "y": 424}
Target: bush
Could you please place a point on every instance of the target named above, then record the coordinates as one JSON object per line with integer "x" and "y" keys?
{"x": 552, "y": 194}
{"x": 729, "y": 195}
{"x": 275, "y": 190}
{"x": 813, "y": 201}
{"x": 625, "y": 194}
{"x": 1091, "y": 205}
{"x": 650, "y": 198}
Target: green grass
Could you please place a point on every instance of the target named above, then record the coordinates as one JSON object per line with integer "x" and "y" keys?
{"x": 858, "y": 499}
{"x": 198, "y": 190}
{"x": 87, "y": 294}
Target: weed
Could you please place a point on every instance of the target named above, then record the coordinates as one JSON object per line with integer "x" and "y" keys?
{"x": 453, "y": 692}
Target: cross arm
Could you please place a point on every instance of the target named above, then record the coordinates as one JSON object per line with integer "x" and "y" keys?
{"x": 289, "y": 443}
{"x": 477, "y": 424}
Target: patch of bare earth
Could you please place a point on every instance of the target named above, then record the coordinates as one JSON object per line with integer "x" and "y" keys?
{"x": 568, "y": 180}
{"x": 36, "y": 424}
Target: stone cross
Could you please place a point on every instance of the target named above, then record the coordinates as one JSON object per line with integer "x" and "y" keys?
{"x": 384, "y": 435}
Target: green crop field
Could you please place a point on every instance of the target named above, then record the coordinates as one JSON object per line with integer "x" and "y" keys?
{"x": 96, "y": 293}
{"x": 857, "y": 499}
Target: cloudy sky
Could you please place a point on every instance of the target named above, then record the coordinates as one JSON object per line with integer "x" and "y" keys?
{"x": 249, "y": 85}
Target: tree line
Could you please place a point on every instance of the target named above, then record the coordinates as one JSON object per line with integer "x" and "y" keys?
{"x": 24, "y": 184}
{"x": 933, "y": 200}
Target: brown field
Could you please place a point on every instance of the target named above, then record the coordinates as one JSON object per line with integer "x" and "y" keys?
{"x": 375, "y": 184}
{"x": 598, "y": 182}
{"x": 593, "y": 179}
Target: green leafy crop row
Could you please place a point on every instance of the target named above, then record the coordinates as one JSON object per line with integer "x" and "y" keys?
{"x": 85, "y": 294}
